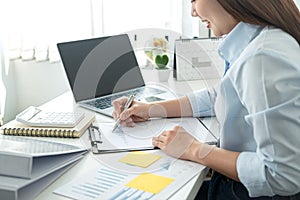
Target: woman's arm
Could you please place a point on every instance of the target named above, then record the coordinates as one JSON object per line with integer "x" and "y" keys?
{"x": 180, "y": 144}
{"x": 221, "y": 160}
{"x": 180, "y": 107}
{"x": 140, "y": 111}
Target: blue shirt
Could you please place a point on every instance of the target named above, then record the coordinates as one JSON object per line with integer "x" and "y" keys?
{"x": 257, "y": 105}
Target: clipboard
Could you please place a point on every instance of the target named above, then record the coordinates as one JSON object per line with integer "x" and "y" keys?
{"x": 139, "y": 138}
{"x": 98, "y": 147}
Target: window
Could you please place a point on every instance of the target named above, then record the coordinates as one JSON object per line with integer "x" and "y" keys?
{"x": 34, "y": 27}
{"x": 123, "y": 16}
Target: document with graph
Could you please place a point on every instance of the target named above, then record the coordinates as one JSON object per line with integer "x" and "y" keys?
{"x": 132, "y": 175}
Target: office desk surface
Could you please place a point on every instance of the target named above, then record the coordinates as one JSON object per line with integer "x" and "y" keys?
{"x": 89, "y": 162}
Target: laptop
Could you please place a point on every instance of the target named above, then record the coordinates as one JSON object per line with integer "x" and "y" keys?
{"x": 100, "y": 70}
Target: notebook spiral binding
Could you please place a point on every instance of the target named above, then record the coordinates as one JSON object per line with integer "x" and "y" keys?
{"x": 40, "y": 132}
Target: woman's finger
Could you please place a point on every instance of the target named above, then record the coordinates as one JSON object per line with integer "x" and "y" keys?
{"x": 118, "y": 105}
{"x": 155, "y": 141}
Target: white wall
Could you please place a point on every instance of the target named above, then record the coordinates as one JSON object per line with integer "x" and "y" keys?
{"x": 32, "y": 83}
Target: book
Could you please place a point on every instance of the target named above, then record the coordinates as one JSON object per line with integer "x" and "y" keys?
{"x": 28, "y": 158}
{"x": 29, "y": 165}
{"x": 17, "y": 128}
{"x": 12, "y": 188}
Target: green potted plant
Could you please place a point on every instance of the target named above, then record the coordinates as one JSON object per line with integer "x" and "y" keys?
{"x": 163, "y": 71}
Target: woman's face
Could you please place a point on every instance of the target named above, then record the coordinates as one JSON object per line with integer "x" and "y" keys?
{"x": 214, "y": 15}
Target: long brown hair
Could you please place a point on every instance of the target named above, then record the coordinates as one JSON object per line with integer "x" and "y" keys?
{"x": 282, "y": 14}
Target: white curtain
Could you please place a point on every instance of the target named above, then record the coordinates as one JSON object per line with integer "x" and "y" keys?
{"x": 34, "y": 27}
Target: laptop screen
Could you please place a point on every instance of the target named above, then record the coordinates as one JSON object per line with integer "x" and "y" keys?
{"x": 100, "y": 66}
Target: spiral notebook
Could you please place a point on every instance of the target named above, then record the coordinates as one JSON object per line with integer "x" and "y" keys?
{"x": 16, "y": 128}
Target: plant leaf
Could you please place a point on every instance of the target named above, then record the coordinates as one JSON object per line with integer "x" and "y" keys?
{"x": 161, "y": 61}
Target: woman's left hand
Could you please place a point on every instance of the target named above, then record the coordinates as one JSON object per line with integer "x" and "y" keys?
{"x": 177, "y": 143}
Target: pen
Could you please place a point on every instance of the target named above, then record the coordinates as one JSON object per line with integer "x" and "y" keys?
{"x": 127, "y": 105}
{"x": 207, "y": 128}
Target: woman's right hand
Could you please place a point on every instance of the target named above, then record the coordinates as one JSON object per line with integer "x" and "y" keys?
{"x": 141, "y": 111}
{"x": 137, "y": 112}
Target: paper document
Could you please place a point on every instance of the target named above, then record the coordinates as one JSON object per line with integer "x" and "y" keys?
{"x": 140, "y": 136}
{"x": 116, "y": 180}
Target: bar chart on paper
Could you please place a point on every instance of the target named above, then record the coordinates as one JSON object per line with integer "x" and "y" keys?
{"x": 106, "y": 183}
{"x": 97, "y": 185}
{"x": 92, "y": 185}
{"x": 144, "y": 186}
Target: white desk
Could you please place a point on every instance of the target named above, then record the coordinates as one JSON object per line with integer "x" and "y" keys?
{"x": 66, "y": 102}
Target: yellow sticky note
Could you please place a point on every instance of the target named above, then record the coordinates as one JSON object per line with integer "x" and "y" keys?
{"x": 140, "y": 159}
{"x": 150, "y": 183}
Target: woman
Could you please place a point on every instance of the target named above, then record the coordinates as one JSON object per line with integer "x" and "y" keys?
{"x": 257, "y": 103}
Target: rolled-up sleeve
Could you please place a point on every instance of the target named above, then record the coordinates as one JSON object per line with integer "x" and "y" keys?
{"x": 273, "y": 169}
{"x": 265, "y": 179}
{"x": 202, "y": 102}
{"x": 273, "y": 102}
{"x": 251, "y": 173}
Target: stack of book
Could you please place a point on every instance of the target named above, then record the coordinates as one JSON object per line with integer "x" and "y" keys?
{"x": 29, "y": 165}
{"x": 20, "y": 129}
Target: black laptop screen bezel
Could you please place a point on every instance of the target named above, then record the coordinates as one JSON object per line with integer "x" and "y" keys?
{"x": 102, "y": 66}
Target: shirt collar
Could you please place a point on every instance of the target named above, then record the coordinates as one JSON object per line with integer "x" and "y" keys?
{"x": 237, "y": 40}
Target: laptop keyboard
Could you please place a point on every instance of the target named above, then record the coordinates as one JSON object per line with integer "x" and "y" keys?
{"x": 104, "y": 103}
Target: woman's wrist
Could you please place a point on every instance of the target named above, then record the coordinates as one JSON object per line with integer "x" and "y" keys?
{"x": 199, "y": 152}
{"x": 193, "y": 152}
{"x": 156, "y": 110}
{"x": 170, "y": 108}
